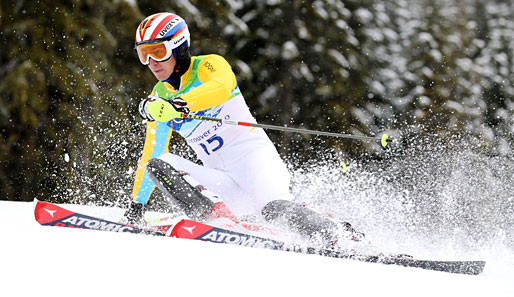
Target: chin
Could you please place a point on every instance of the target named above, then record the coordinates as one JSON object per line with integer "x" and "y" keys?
{"x": 159, "y": 76}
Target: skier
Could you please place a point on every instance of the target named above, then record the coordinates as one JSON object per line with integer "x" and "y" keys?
{"x": 241, "y": 169}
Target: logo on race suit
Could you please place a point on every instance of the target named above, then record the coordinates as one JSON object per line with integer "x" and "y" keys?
{"x": 209, "y": 66}
{"x": 240, "y": 239}
{"x": 95, "y": 224}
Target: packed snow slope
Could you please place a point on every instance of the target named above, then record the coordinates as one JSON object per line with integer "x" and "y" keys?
{"x": 48, "y": 261}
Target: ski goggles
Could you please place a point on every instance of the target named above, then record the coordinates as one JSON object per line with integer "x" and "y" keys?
{"x": 159, "y": 51}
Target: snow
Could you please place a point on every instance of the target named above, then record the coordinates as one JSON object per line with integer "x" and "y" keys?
{"x": 49, "y": 261}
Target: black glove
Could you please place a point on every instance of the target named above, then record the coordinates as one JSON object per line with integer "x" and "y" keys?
{"x": 134, "y": 215}
{"x": 180, "y": 105}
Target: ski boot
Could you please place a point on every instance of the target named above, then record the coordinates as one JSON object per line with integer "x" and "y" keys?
{"x": 349, "y": 241}
{"x": 135, "y": 214}
{"x": 346, "y": 231}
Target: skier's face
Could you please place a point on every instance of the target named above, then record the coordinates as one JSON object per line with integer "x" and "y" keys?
{"x": 162, "y": 70}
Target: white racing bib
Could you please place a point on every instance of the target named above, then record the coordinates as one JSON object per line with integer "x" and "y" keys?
{"x": 208, "y": 138}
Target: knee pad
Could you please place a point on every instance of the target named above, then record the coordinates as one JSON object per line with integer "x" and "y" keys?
{"x": 176, "y": 188}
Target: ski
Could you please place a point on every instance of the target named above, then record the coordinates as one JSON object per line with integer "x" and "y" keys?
{"x": 49, "y": 214}
{"x": 198, "y": 231}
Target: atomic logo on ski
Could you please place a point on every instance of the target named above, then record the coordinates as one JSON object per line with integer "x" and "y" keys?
{"x": 52, "y": 215}
{"x": 80, "y": 221}
{"x": 225, "y": 236}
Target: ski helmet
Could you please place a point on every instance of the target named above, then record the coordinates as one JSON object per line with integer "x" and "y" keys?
{"x": 163, "y": 27}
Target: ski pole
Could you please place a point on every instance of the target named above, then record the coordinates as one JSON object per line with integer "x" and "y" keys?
{"x": 384, "y": 139}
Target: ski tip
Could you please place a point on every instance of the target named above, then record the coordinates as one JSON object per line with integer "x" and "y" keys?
{"x": 34, "y": 205}
{"x": 385, "y": 140}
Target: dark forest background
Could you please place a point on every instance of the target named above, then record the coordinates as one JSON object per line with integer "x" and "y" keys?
{"x": 70, "y": 80}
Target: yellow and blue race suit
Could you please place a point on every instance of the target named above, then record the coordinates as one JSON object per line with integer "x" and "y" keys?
{"x": 209, "y": 87}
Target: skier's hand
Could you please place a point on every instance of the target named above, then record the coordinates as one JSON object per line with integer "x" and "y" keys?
{"x": 157, "y": 109}
{"x": 143, "y": 108}
{"x": 180, "y": 105}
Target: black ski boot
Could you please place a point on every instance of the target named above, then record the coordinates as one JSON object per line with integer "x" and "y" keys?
{"x": 346, "y": 231}
{"x": 134, "y": 215}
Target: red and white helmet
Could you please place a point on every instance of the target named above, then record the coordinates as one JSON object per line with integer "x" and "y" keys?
{"x": 163, "y": 26}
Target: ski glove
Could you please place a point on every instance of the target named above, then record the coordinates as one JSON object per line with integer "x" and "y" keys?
{"x": 154, "y": 108}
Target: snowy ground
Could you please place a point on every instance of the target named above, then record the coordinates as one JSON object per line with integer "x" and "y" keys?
{"x": 48, "y": 261}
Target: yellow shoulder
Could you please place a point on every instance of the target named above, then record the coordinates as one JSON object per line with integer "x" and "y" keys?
{"x": 216, "y": 67}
